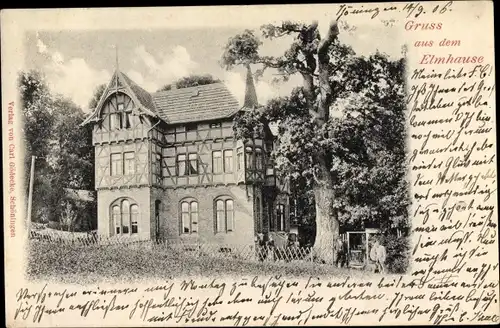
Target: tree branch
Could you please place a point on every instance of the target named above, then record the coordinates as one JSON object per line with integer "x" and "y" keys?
{"x": 323, "y": 62}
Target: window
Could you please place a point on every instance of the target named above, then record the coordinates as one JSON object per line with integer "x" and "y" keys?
{"x": 229, "y": 215}
{"x": 134, "y": 217}
{"x": 215, "y": 125}
{"x": 193, "y": 164}
{"x": 129, "y": 163}
{"x": 258, "y": 158}
{"x": 240, "y": 158}
{"x": 123, "y": 163}
{"x": 187, "y": 166}
{"x": 249, "y": 157}
{"x": 220, "y": 216}
{"x": 126, "y": 120}
{"x": 280, "y": 217}
{"x": 224, "y": 215}
{"x": 115, "y": 121}
{"x": 116, "y": 164}
{"x": 189, "y": 217}
{"x": 119, "y": 109}
{"x": 217, "y": 162}
{"x": 228, "y": 161}
{"x": 117, "y": 219}
{"x": 181, "y": 165}
{"x": 125, "y": 216}
{"x": 122, "y": 117}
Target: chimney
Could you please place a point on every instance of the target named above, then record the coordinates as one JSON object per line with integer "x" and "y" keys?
{"x": 250, "y": 93}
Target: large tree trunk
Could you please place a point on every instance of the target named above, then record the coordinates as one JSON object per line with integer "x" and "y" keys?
{"x": 327, "y": 223}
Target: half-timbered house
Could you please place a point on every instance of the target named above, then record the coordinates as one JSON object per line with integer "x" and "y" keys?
{"x": 168, "y": 166}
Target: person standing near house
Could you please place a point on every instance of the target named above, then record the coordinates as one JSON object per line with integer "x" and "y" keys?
{"x": 341, "y": 250}
{"x": 378, "y": 255}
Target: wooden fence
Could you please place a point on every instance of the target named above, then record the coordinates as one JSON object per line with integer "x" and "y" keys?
{"x": 242, "y": 252}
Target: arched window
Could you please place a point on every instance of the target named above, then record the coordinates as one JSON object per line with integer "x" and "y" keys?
{"x": 125, "y": 215}
{"x": 134, "y": 218}
{"x": 117, "y": 219}
{"x": 224, "y": 215}
{"x": 189, "y": 216}
{"x": 280, "y": 217}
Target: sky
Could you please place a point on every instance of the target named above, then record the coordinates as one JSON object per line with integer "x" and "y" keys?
{"x": 76, "y": 62}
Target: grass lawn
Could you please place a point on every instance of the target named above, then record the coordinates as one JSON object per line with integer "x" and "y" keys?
{"x": 76, "y": 264}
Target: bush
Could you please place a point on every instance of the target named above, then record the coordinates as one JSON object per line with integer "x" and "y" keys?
{"x": 85, "y": 263}
{"x": 54, "y": 225}
{"x": 398, "y": 253}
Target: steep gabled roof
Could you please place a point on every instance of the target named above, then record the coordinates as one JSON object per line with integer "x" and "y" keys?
{"x": 142, "y": 95}
{"x": 199, "y": 103}
{"x": 120, "y": 81}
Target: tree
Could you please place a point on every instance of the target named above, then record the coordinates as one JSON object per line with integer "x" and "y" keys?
{"x": 68, "y": 216}
{"x": 99, "y": 90}
{"x": 37, "y": 114}
{"x": 65, "y": 156}
{"x": 72, "y": 151}
{"x": 38, "y": 123}
{"x": 332, "y": 128}
{"x": 191, "y": 81}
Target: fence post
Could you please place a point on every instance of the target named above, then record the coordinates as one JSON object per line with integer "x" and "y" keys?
{"x": 311, "y": 252}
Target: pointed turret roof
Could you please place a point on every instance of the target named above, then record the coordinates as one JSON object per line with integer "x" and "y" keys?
{"x": 250, "y": 93}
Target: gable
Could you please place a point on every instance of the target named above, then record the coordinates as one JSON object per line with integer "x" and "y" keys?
{"x": 120, "y": 83}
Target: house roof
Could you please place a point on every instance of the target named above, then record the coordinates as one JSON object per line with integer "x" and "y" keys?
{"x": 142, "y": 95}
{"x": 199, "y": 103}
